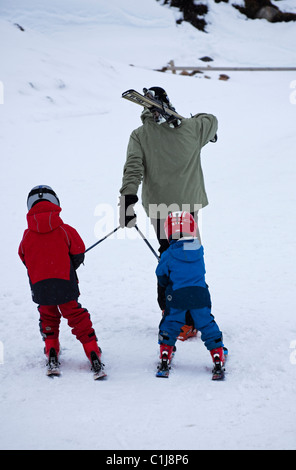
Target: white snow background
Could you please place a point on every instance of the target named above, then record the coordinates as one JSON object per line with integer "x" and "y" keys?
{"x": 64, "y": 123}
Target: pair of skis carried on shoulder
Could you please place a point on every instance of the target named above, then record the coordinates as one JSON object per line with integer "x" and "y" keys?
{"x": 152, "y": 104}
{"x": 169, "y": 114}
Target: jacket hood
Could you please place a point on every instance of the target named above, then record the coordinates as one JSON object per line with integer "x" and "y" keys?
{"x": 187, "y": 250}
{"x": 146, "y": 114}
{"x": 44, "y": 217}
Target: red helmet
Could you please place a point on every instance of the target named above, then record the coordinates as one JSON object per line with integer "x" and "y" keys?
{"x": 180, "y": 224}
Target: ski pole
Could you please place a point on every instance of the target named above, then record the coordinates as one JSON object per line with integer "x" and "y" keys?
{"x": 102, "y": 239}
{"x": 146, "y": 241}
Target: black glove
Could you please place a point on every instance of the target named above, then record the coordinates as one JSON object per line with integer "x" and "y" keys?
{"x": 77, "y": 260}
{"x": 127, "y": 216}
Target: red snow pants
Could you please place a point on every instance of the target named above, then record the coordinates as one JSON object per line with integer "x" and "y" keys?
{"x": 78, "y": 319}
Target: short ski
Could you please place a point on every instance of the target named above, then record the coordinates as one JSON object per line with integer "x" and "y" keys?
{"x": 165, "y": 373}
{"x": 53, "y": 372}
{"x": 151, "y": 103}
{"x": 97, "y": 367}
{"x": 163, "y": 368}
{"x": 53, "y": 365}
{"x": 100, "y": 374}
{"x": 218, "y": 371}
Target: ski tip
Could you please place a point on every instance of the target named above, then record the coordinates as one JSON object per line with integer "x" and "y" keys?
{"x": 219, "y": 375}
{"x": 127, "y": 92}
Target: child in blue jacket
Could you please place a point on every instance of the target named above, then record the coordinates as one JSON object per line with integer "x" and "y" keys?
{"x": 181, "y": 270}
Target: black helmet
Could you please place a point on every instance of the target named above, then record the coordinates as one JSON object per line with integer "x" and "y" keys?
{"x": 158, "y": 93}
{"x": 161, "y": 116}
{"x": 42, "y": 193}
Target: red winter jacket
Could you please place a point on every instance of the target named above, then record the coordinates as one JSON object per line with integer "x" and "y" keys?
{"x": 51, "y": 252}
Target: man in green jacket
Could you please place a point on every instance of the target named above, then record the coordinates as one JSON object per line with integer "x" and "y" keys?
{"x": 165, "y": 157}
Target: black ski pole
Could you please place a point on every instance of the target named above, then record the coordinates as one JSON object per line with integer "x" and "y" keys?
{"x": 146, "y": 241}
{"x": 102, "y": 239}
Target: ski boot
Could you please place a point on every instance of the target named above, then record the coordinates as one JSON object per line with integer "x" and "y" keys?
{"x": 166, "y": 355}
{"x": 51, "y": 343}
{"x": 218, "y": 372}
{"x": 94, "y": 353}
{"x": 187, "y": 331}
{"x": 53, "y": 365}
{"x": 97, "y": 367}
{"x": 51, "y": 350}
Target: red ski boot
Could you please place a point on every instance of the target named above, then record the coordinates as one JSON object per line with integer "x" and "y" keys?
{"x": 187, "y": 331}
{"x": 94, "y": 353}
{"x": 219, "y": 361}
{"x": 166, "y": 352}
{"x": 52, "y": 343}
{"x": 166, "y": 355}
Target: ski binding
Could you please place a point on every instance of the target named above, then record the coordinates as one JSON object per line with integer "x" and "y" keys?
{"x": 218, "y": 371}
{"x": 53, "y": 365}
{"x": 97, "y": 367}
{"x": 163, "y": 368}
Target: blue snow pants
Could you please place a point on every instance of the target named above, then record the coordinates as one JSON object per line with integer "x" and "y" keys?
{"x": 204, "y": 321}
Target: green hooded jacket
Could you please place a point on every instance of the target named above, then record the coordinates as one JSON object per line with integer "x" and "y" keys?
{"x": 166, "y": 160}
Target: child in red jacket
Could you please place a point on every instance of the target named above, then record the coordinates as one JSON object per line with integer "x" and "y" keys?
{"x": 51, "y": 252}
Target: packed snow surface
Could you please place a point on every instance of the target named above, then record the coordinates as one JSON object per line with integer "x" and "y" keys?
{"x": 63, "y": 123}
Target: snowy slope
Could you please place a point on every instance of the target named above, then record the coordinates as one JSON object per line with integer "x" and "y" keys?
{"x": 63, "y": 123}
